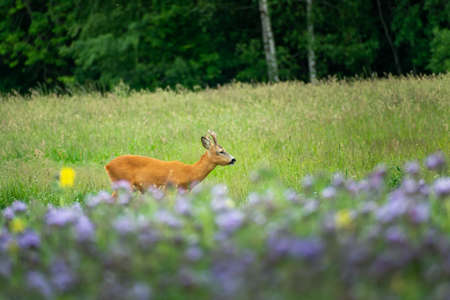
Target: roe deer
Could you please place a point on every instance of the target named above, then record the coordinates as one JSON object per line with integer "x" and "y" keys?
{"x": 143, "y": 172}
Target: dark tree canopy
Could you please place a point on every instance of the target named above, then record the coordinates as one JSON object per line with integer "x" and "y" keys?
{"x": 164, "y": 43}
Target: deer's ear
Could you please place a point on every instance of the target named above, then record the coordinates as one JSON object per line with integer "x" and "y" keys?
{"x": 206, "y": 142}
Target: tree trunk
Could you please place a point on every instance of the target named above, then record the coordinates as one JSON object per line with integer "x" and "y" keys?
{"x": 269, "y": 43}
{"x": 311, "y": 54}
{"x": 388, "y": 37}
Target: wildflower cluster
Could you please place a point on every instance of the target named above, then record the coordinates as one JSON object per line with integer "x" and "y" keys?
{"x": 338, "y": 239}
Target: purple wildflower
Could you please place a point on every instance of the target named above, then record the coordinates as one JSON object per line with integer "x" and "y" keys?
{"x": 310, "y": 206}
{"x": 410, "y": 186}
{"x": 62, "y": 216}
{"x": 5, "y": 266}
{"x": 62, "y": 276}
{"x": 84, "y": 229}
{"x": 37, "y": 281}
{"x": 8, "y": 213}
{"x": 219, "y": 191}
{"x": 5, "y": 239}
{"x": 230, "y": 221}
{"x": 305, "y": 248}
{"x": 368, "y": 207}
{"x": 18, "y": 206}
{"x": 395, "y": 207}
{"x": 101, "y": 197}
{"x": 352, "y": 187}
{"x": 424, "y": 189}
{"x": 139, "y": 291}
{"x": 253, "y": 198}
{"x": 338, "y": 180}
{"x": 124, "y": 198}
{"x": 291, "y": 195}
{"x": 329, "y": 193}
{"x": 307, "y": 182}
{"x": 121, "y": 185}
{"x": 28, "y": 239}
{"x": 412, "y": 168}
{"x": 419, "y": 213}
{"x": 124, "y": 225}
{"x": 442, "y": 187}
{"x": 156, "y": 193}
{"x": 183, "y": 205}
{"x": 193, "y": 253}
{"x": 435, "y": 161}
{"x": 167, "y": 218}
{"x": 395, "y": 235}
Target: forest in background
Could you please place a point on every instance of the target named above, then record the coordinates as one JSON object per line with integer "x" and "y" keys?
{"x": 148, "y": 44}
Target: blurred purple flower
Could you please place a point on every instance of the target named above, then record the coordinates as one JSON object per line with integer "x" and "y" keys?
{"x": 291, "y": 196}
{"x": 424, "y": 189}
{"x": 412, "y": 168}
{"x": 442, "y": 187}
{"x": 219, "y": 191}
{"x": 62, "y": 277}
{"x": 84, "y": 229}
{"x": 124, "y": 198}
{"x": 62, "y": 216}
{"x": 8, "y": 213}
{"x": 229, "y": 221}
{"x": 5, "y": 239}
{"x": 419, "y": 213}
{"x": 148, "y": 237}
{"x": 352, "y": 187}
{"x": 5, "y": 266}
{"x": 376, "y": 179}
{"x": 253, "y": 198}
{"x": 395, "y": 207}
{"x": 139, "y": 291}
{"x": 121, "y": 185}
{"x": 193, "y": 253}
{"x": 329, "y": 192}
{"x": 410, "y": 186}
{"x": 310, "y": 206}
{"x": 167, "y": 218}
{"x": 156, "y": 193}
{"x": 368, "y": 207}
{"x": 307, "y": 182}
{"x": 19, "y": 206}
{"x": 28, "y": 239}
{"x": 338, "y": 180}
{"x": 305, "y": 248}
{"x": 183, "y": 205}
{"x": 435, "y": 162}
{"x": 395, "y": 234}
{"x": 124, "y": 225}
{"x": 37, "y": 281}
{"x": 101, "y": 197}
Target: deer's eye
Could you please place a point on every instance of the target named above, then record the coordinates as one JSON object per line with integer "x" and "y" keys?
{"x": 221, "y": 152}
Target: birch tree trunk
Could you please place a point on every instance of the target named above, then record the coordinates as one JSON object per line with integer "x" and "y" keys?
{"x": 269, "y": 43}
{"x": 311, "y": 54}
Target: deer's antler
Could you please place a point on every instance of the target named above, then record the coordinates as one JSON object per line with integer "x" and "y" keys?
{"x": 213, "y": 135}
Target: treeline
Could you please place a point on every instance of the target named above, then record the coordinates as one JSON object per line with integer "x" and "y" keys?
{"x": 165, "y": 43}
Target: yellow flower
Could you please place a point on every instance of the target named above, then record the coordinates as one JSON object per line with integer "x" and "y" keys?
{"x": 343, "y": 219}
{"x": 66, "y": 177}
{"x": 17, "y": 225}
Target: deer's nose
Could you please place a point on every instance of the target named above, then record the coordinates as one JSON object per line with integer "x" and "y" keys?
{"x": 232, "y": 161}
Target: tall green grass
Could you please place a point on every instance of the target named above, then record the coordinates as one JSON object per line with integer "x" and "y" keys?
{"x": 291, "y": 127}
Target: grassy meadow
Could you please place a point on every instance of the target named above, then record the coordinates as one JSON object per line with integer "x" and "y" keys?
{"x": 292, "y": 128}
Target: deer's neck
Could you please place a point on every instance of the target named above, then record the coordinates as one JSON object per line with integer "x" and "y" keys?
{"x": 202, "y": 168}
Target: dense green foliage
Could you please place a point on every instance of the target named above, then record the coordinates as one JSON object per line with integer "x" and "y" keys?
{"x": 293, "y": 128}
{"x": 159, "y": 43}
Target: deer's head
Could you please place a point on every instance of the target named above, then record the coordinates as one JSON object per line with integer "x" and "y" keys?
{"x": 216, "y": 153}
